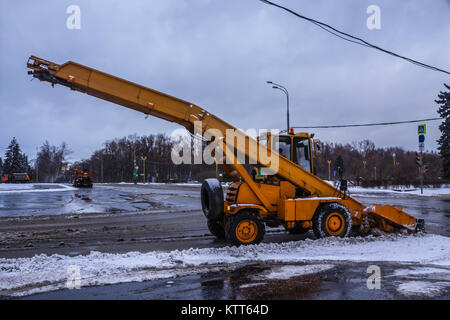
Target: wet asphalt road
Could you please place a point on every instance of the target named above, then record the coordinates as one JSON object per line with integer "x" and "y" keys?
{"x": 344, "y": 281}
{"x": 100, "y": 199}
{"x": 111, "y": 199}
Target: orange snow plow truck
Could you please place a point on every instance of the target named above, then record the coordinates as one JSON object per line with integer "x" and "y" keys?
{"x": 82, "y": 178}
{"x": 15, "y": 178}
{"x": 288, "y": 194}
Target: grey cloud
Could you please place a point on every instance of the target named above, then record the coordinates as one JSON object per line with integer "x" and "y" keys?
{"x": 218, "y": 54}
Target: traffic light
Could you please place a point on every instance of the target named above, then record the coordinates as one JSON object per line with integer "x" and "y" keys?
{"x": 418, "y": 159}
{"x": 425, "y": 169}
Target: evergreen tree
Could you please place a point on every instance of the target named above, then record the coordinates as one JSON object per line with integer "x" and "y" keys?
{"x": 15, "y": 160}
{"x": 1, "y": 166}
{"x": 444, "y": 140}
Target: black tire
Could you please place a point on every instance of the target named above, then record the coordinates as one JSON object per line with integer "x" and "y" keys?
{"x": 241, "y": 221}
{"x": 212, "y": 199}
{"x": 332, "y": 219}
{"x": 216, "y": 229}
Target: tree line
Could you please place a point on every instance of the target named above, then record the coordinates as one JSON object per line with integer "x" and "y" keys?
{"x": 118, "y": 159}
{"x": 364, "y": 164}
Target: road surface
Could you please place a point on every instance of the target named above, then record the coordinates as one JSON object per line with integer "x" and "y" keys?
{"x": 123, "y": 218}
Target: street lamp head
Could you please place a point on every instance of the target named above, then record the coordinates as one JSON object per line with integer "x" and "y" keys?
{"x": 269, "y": 81}
{"x": 275, "y": 87}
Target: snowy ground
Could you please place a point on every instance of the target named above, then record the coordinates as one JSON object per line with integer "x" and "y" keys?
{"x": 411, "y": 190}
{"x": 181, "y": 184}
{"x": 42, "y": 273}
{"x": 104, "y": 247}
{"x": 188, "y": 184}
{"x": 427, "y": 192}
{"x": 6, "y": 188}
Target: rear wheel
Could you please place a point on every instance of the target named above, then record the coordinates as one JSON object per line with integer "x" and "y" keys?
{"x": 332, "y": 220}
{"x": 245, "y": 228}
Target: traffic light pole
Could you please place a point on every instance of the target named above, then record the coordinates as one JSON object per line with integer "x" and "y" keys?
{"x": 421, "y": 169}
{"x": 143, "y": 158}
{"x": 421, "y": 130}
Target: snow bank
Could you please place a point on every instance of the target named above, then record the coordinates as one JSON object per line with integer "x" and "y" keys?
{"x": 43, "y": 273}
{"x": 431, "y": 192}
{"x": 422, "y": 288}
{"x": 428, "y": 192}
{"x": 9, "y": 186}
{"x": 420, "y": 271}
{"x": 33, "y": 187}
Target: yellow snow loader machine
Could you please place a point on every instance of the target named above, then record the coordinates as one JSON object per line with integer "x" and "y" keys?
{"x": 280, "y": 190}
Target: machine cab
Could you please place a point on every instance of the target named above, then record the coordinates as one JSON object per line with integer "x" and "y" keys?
{"x": 295, "y": 147}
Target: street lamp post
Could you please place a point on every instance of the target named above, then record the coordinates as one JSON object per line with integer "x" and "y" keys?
{"x": 36, "y": 165}
{"x": 100, "y": 157}
{"x": 280, "y": 87}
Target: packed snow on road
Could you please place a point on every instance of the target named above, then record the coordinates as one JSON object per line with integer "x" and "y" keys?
{"x": 24, "y": 276}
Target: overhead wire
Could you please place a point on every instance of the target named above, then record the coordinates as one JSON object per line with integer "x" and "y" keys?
{"x": 348, "y": 37}
{"x": 365, "y": 124}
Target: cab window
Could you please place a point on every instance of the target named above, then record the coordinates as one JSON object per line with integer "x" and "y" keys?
{"x": 283, "y": 146}
{"x": 301, "y": 153}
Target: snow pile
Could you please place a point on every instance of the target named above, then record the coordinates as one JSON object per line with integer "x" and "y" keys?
{"x": 431, "y": 192}
{"x": 43, "y": 273}
{"x": 422, "y": 288}
{"x": 437, "y": 281}
{"x": 33, "y": 187}
{"x": 421, "y": 271}
{"x": 11, "y": 187}
{"x": 287, "y": 272}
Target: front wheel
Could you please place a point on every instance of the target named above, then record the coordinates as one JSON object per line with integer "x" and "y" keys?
{"x": 245, "y": 228}
{"x": 332, "y": 220}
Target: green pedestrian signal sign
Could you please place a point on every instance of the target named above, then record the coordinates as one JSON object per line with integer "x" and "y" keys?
{"x": 421, "y": 129}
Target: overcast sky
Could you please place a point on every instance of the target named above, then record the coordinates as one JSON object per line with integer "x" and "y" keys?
{"x": 219, "y": 54}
